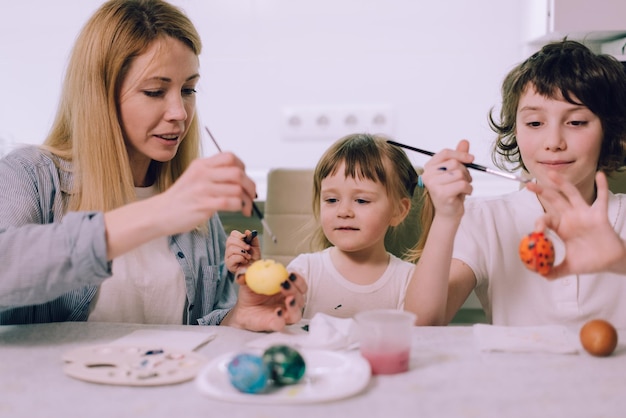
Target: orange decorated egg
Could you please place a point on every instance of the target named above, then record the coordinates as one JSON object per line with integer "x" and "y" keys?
{"x": 537, "y": 252}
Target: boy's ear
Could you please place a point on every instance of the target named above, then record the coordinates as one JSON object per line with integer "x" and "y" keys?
{"x": 402, "y": 210}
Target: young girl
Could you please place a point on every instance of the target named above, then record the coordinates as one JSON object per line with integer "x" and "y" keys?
{"x": 114, "y": 218}
{"x": 362, "y": 187}
{"x": 563, "y": 112}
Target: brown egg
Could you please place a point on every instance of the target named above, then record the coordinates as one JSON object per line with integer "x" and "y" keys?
{"x": 598, "y": 337}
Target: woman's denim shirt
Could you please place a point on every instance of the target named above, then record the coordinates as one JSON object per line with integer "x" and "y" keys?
{"x": 52, "y": 262}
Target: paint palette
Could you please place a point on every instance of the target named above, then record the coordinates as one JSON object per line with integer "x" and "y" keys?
{"x": 132, "y": 365}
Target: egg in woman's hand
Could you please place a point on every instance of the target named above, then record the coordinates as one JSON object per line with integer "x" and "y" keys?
{"x": 265, "y": 277}
{"x": 598, "y": 337}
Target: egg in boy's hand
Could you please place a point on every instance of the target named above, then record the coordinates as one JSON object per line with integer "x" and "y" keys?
{"x": 537, "y": 252}
{"x": 265, "y": 277}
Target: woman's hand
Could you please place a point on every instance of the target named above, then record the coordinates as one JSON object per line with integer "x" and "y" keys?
{"x": 256, "y": 312}
{"x": 591, "y": 243}
{"x": 448, "y": 181}
{"x": 241, "y": 250}
{"x": 209, "y": 185}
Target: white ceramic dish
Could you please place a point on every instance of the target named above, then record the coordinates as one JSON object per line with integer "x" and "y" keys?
{"x": 329, "y": 376}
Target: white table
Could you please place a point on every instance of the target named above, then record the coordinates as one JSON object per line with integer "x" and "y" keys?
{"x": 449, "y": 378}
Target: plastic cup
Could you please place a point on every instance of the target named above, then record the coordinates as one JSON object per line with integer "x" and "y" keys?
{"x": 385, "y": 339}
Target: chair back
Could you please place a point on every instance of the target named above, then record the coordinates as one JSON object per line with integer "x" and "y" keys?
{"x": 617, "y": 182}
{"x": 288, "y": 212}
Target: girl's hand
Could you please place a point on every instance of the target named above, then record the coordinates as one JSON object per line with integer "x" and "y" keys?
{"x": 448, "y": 181}
{"x": 256, "y": 312}
{"x": 241, "y": 250}
{"x": 591, "y": 243}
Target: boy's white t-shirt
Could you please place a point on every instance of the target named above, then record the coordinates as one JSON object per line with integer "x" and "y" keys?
{"x": 147, "y": 285}
{"x": 488, "y": 242}
{"x": 331, "y": 293}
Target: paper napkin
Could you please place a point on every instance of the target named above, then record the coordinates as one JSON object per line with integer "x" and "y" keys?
{"x": 324, "y": 332}
{"x": 181, "y": 340}
{"x": 547, "y": 338}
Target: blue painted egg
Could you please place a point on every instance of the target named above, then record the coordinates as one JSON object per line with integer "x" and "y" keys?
{"x": 248, "y": 373}
{"x": 286, "y": 365}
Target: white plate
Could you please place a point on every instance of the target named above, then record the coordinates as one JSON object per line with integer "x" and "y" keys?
{"x": 329, "y": 376}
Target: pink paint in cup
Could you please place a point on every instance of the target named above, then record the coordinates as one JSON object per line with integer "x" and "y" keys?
{"x": 385, "y": 339}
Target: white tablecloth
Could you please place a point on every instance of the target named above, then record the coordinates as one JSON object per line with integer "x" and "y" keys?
{"x": 449, "y": 377}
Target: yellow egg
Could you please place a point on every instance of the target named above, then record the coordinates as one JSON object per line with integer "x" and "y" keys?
{"x": 265, "y": 276}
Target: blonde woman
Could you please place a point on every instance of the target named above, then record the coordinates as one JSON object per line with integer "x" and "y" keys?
{"x": 114, "y": 217}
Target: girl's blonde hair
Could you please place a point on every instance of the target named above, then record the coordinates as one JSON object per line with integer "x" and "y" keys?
{"x": 87, "y": 128}
{"x": 370, "y": 157}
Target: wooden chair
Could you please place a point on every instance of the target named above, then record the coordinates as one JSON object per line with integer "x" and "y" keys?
{"x": 617, "y": 182}
{"x": 288, "y": 212}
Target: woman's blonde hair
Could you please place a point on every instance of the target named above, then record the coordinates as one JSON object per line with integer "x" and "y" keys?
{"x": 367, "y": 157}
{"x": 87, "y": 128}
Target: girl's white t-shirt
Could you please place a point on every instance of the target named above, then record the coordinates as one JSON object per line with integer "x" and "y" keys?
{"x": 331, "y": 293}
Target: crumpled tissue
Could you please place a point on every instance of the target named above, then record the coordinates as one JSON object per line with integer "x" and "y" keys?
{"x": 324, "y": 332}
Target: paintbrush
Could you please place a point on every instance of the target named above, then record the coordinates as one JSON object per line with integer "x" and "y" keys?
{"x": 255, "y": 209}
{"x": 478, "y": 167}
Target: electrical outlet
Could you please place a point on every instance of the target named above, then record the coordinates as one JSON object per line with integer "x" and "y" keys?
{"x": 313, "y": 123}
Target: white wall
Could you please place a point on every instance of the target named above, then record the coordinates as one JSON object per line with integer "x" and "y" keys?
{"x": 437, "y": 64}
